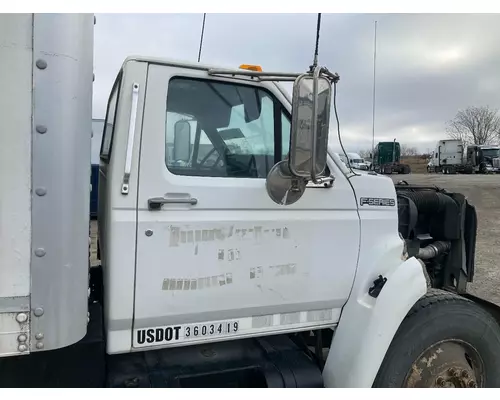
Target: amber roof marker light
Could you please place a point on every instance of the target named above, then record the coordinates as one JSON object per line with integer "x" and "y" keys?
{"x": 256, "y": 68}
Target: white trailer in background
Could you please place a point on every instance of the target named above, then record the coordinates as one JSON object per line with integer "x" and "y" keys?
{"x": 449, "y": 155}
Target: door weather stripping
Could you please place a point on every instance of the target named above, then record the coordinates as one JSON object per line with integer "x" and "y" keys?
{"x": 131, "y": 136}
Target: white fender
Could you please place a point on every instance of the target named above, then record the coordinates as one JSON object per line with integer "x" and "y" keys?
{"x": 367, "y": 326}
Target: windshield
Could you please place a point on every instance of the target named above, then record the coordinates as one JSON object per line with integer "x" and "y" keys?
{"x": 493, "y": 153}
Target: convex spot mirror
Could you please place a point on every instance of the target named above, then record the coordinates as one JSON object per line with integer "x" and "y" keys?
{"x": 182, "y": 141}
{"x": 310, "y": 125}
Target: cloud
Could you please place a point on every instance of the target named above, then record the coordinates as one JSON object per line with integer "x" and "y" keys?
{"x": 428, "y": 65}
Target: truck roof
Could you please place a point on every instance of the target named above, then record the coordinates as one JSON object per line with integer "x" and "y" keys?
{"x": 198, "y": 66}
{"x": 385, "y": 143}
{"x": 187, "y": 64}
{"x": 170, "y": 62}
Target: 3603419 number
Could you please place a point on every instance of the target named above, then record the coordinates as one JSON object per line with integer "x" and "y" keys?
{"x": 215, "y": 329}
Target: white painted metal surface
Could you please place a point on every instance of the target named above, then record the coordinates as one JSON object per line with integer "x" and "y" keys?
{"x": 367, "y": 325}
{"x": 15, "y": 180}
{"x": 265, "y": 259}
{"x": 117, "y": 213}
{"x": 261, "y": 325}
{"x": 15, "y": 154}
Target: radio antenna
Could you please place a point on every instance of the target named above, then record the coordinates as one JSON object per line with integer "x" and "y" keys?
{"x": 201, "y": 38}
{"x": 316, "y": 49}
{"x": 374, "y": 87}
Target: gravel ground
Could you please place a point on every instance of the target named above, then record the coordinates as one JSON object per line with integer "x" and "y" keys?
{"x": 483, "y": 191}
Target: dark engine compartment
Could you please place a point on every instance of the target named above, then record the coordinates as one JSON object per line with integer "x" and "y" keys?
{"x": 439, "y": 228}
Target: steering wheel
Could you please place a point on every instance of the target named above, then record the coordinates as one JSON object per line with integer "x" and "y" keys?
{"x": 205, "y": 159}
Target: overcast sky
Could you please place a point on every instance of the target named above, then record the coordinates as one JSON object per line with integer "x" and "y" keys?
{"x": 428, "y": 65}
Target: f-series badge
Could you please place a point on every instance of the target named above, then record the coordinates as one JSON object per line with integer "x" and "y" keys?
{"x": 376, "y": 202}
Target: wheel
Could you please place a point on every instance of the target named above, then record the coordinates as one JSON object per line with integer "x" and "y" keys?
{"x": 444, "y": 341}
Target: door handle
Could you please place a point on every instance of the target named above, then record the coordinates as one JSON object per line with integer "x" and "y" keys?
{"x": 155, "y": 203}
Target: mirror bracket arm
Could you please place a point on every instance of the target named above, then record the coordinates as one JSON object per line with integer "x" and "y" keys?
{"x": 317, "y": 71}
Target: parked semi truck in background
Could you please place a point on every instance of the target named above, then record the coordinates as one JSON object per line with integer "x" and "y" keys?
{"x": 450, "y": 157}
{"x": 387, "y": 159}
{"x": 213, "y": 269}
{"x": 357, "y": 162}
{"x": 491, "y": 158}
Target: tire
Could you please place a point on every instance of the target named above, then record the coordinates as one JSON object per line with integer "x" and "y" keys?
{"x": 447, "y": 321}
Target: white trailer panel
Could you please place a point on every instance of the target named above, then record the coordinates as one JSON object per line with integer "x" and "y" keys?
{"x": 450, "y": 152}
{"x": 15, "y": 155}
{"x": 46, "y": 115}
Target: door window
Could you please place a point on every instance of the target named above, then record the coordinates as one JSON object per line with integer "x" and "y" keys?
{"x": 235, "y": 130}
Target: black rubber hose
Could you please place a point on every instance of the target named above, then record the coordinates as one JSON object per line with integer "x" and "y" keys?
{"x": 433, "y": 250}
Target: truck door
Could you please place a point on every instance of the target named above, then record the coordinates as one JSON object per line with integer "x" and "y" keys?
{"x": 216, "y": 257}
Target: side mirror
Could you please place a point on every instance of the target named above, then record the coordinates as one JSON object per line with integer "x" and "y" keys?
{"x": 310, "y": 124}
{"x": 182, "y": 141}
{"x": 286, "y": 181}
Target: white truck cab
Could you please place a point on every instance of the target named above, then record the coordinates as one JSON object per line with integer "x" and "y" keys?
{"x": 207, "y": 209}
{"x": 357, "y": 162}
{"x": 234, "y": 247}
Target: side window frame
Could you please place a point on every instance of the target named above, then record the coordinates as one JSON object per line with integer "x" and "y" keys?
{"x": 279, "y": 110}
{"x": 115, "y": 90}
{"x": 282, "y": 112}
